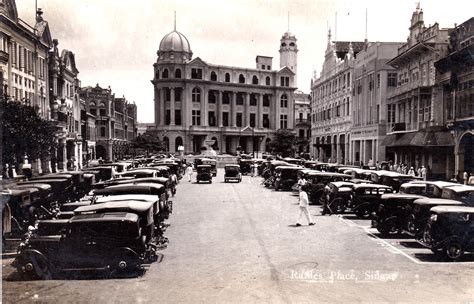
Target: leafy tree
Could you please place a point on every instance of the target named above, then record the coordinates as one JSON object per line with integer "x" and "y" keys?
{"x": 24, "y": 132}
{"x": 283, "y": 142}
{"x": 148, "y": 141}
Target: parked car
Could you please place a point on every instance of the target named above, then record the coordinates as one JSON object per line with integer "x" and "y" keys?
{"x": 394, "y": 214}
{"x": 286, "y": 177}
{"x": 232, "y": 172}
{"x": 100, "y": 241}
{"x": 463, "y": 193}
{"x": 204, "y": 173}
{"x": 61, "y": 188}
{"x": 391, "y": 179}
{"x": 421, "y": 212}
{"x": 366, "y": 198}
{"x": 450, "y": 231}
{"x": 425, "y": 188}
{"x": 317, "y": 182}
{"x": 338, "y": 197}
{"x": 212, "y": 163}
{"x": 139, "y": 173}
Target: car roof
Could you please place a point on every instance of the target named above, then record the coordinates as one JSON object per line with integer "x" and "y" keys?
{"x": 35, "y": 185}
{"x": 45, "y": 181}
{"x": 440, "y": 184}
{"x": 129, "y": 188}
{"x": 437, "y": 201}
{"x": 135, "y": 206}
{"x": 461, "y": 188}
{"x": 15, "y": 191}
{"x": 127, "y": 197}
{"x": 204, "y": 166}
{"x": 289, "y": 168}
{"x": 401, "y": 196}
{"x": 452, "y": 209}
{"x": 342, "y": 184}
{"x": 317, "y": 173}
{"x": 231, "y": 165}
{"x": 159, "y": 180}
{"x": 104, "y": 217}
{"x": 377, "y": 186}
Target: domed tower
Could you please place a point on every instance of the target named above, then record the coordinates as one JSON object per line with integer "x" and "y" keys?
{"x": 174, "y": 48}
{"x": 288, "y": 52}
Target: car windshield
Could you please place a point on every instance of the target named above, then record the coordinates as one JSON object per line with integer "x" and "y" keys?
{"x": 106, "y": 230}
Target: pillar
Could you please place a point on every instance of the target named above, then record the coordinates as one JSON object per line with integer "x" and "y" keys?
{"x": 233, "y": 109}
{"x": 338, "y": 150}
{"x": 79, "y": 155}
{"x": 219, "y": 110}
{"x": 157, "y": 107}
{"x": 172, "y": 105}
{"x": 110, "y": 156}
{"x": 162, "y": 106}
{"x": 247, "y": 110}
{"x": 64, "y": 152}
{"x": 260, "y": 111}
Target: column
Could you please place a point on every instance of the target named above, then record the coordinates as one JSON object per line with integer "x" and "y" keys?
{"x": 346, "y": 152}
{"x": 260, "y": 111}
{"x": 247, "y": 109}
{"x": 374, "y": 151}
{"x": 338, "y": 150}
{"x": 219, "y": 110}
{"x": 172, "y": 105}
{"x": 204, "y": 97}
{"x": 233, "y": 109}
{"x": 110, "y": 156}
{"x": 64, "y": 152}
{"x": 272, "y": 112}
{"x": 161, "y": 103}
{"x": 157, "y": 107}
{"x": 79, "y": 158}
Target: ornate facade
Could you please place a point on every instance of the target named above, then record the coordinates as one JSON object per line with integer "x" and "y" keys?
{"x": 198, "y": 104}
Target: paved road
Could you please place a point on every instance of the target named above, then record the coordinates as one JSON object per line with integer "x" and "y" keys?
{"x": 238, "y": 243}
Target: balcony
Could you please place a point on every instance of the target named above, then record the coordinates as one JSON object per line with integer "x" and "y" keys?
{"x": 302, "y": 122}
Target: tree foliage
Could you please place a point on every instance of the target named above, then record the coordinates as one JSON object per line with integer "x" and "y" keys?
{"x": 283, "y": 142}
{"x": 148, "y": 141}
{"x": 24, "y": 132}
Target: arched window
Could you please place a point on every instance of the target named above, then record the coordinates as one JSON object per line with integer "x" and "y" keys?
{"x": 178, "y": 142}
{"x": 227, "y": 77}
{"x": 157, "y": 74}
{"x": 165, "y": 74}
{"x": 267, "y": 80}
{"x": 241, "y": 78}
{"x": 292, "y": 44}
{"x": 283, "y": 44}
{"x": 215, "y": 145}
{"x": 196, "y": 95}
{"x": 213, "y": 76}
{"x": 177, "y": 73}
{"x": 284, "y": 101}
{"x": 254, "y": 79}
{"x": 166, "y": 143}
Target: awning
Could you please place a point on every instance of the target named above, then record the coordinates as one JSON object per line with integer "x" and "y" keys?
{"x": 424, "y": 138}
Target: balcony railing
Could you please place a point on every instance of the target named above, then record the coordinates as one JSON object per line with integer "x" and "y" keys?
{"x": 302, "y": 121}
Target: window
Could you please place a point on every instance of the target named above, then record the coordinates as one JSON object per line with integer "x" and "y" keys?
{"x": 227, "y": 77}
{"x": 94, "y": 112}
{"x": 177, "y": 94}
{"x": 266, "y": 121}
{"x": 225, "y": 98}
{"x": 196, "y": 95}
{"x": 241, "y": 78}
{"x": 254, "y": 79}
{"x": 371, "y": 82}
{"x": 168, "y": 117}
{"x": 267, "y": 80}
{"x": 391, "y": 113}
{"x": 378, "y": 80}
{"x": 253, "y": 99}
{"x": 301, "y": 133}
{"x": 212, "y": 118}
{"x": 225, "y": 119}
{"x": 102, "y": 131}
{"x": 165, "y": 74}
{"x": 239, "y": 119}
{"x": 196, "y": 73}
{"x": 196, "y": 117}
{"x": 211, "y": 98}
{"x": 213, "y": 76}
{"x": 252, "y": 119}
{"x": 269, "y": 67}
{"x": 177, "y": 73}
{"x": 284, "y": 121}
{"x": 167, "y": 94}
{"x": 240, "y": 99}
{"x": 177, "y": 117}
{"x": 284, "y": 81}
{"x": 266, "y": 100}
{"x": 284, "y": 101}
{"x": 263, "y": 67}
{"x": 102, "y": 112}
{"x": 392, "y": 79}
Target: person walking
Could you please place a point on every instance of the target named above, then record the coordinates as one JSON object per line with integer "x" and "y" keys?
{"x": 303, "y": 202}
{"x": 189, "y": 172}
{"x": 423, "y": 172}
{"x": 465, "y": 177}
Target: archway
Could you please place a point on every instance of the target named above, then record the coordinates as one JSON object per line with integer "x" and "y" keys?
{"x": 215, "y": 145}
{"x": 466, "y": 148}
{"x": 100, "y": 152}
{"x": 178, "y": 142}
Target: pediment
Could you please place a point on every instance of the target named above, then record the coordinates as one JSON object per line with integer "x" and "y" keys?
{"x": 286, "y": 70}
{"x": 198, "y": 62}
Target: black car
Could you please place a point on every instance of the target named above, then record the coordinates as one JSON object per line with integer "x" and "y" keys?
{"x": 450, "y": 231}
{"x": 337, "y": 197}
{"x": 421, "y": 212}
{"x": 366, "y": 198}
{"x": 204, "y": 173}
{"x": 232, "y": 172}
{"x": 286, "y": 177}
{"x": 98, "y": 241}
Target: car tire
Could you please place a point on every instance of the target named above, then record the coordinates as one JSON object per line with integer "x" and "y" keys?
{"x": 362, "y": 213}
{"x": 40, "y": 268}
{"x": 453, "y": 251}
{"x": 126, "y": 262}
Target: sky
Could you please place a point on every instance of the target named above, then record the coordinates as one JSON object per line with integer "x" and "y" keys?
{"x": 115, "y": 41}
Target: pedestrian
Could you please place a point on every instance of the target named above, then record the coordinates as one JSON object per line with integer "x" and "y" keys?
{"x": 418, "y": 171}
{"x": 423, "y": 172}
{"x": 471, "y": 179}
{"x": 254, "y": 170}
{"x": 303, "y": 202}
{"x": 189, "y": 172}
{"x": 465, "y": 177}
{"x": 301, "y": 182}
{"x": 411, "y": 171}
{"x": 174, "y": 182}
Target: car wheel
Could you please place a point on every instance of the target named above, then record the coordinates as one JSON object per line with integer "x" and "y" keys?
{"x": 453, "y": 251}
{"x": 411, "y": 228}
{"x": 34, "y": 267}
{"x": 362, "y": 213}
{"x": 337, "y": 205}
{"x": 126, "y": 262}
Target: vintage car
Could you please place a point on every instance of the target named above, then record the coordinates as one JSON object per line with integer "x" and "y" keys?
{"x": 113, "y": 242}
{"x": 204, "y": 173}
{"x": 425, "y": 188}
{"x": 450, "y": 231}
{"x": 317, "y": 182}
{"x": 105, "y": 172}
{"x": 391, "y": 179}
{"x": 338, "y": 197}
{"x": 463, "y": 193}
{"x": 16, "y": 214}
{"x": 421, "y": 212}
{"x": 173, "y": 166}
{"x": 366, "y": 198}
{"x": 394, "y": 214}
{"x": 79, "y": 187}
{"x": 61, "y": 188}
{"x": 211, "y": 162}
{"x": 358, "y": 173}
{"x": 232, "y": 172}
{"x": 286, "y": 177}
{"x": 139, "y": 173}
{"x": 245, "y": 166}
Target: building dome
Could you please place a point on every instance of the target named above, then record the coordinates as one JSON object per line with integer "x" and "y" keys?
{"x": 288, "y": 35}
{"x": 175, "y": 42}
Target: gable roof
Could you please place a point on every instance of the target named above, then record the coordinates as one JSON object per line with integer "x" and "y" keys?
{"x": 198, "y": 61}
{"x": 286, "y": 69}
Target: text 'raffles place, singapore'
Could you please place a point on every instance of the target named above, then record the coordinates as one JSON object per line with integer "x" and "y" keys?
{"x": 237, "y": 152}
